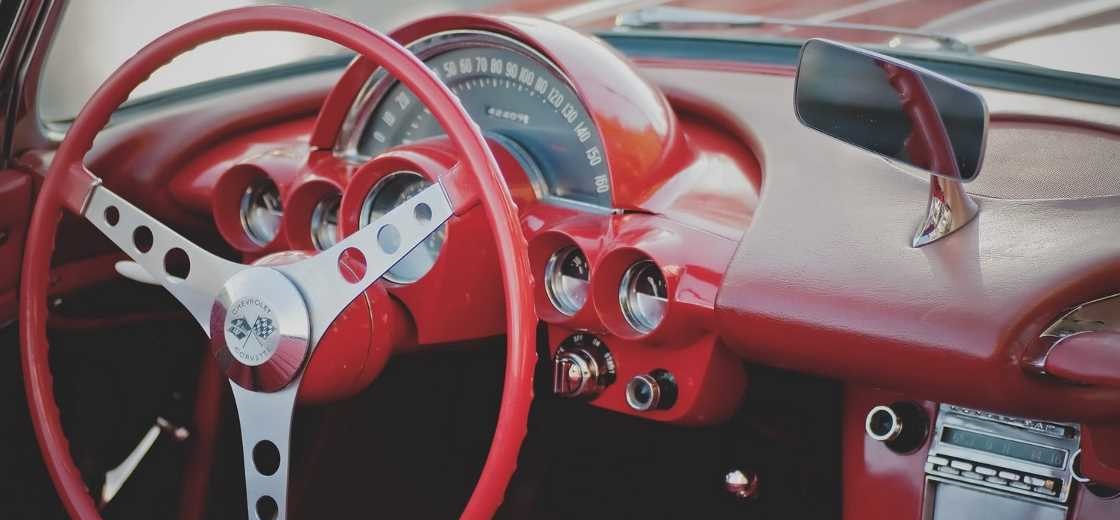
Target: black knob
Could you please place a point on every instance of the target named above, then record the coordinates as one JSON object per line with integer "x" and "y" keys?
{"x": 902, "y": 426}
{"x": 656, "y": 390}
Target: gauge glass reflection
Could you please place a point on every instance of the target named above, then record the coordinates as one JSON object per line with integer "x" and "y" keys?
{"x": 261, "y": 212}
{"x": 324, "y": 222}
{"x": 644, "y": 296}
{"x": 566, "y": 280}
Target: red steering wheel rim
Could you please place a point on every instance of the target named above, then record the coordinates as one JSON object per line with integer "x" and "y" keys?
{"x": 58, "y": 193}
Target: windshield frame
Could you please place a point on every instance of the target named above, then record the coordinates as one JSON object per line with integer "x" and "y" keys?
{"x": 971, "y": 69}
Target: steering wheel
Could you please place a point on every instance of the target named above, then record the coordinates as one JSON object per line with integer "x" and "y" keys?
{"x": 265, "y": 321}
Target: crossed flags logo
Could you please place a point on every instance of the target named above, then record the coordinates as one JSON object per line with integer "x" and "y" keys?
{"x": 262, "y": 328}
{"x": 252, "y": 331}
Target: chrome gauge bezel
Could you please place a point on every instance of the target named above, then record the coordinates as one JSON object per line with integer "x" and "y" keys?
{"x": 373, "y": 92}
{"x": 380, "y": 82}
{"x": 324, "y": 231}
{"x": 249, "y": 198}
{"x": 560, "y": 293}
{"x": 369, "y": 207}
{"x": 637, "y": 315}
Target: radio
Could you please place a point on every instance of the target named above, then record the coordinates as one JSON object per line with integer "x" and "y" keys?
{"x": 1024, "y": 457}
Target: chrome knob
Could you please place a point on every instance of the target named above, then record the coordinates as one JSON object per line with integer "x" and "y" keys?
{"x": 902, "y": 426}
{"x": 656, "y": 390}
{"x": 883, "y": 424}
{"x": 582, "y": 367}
{"x": 741, "y": 484}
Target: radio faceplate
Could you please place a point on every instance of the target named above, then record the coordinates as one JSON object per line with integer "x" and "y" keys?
{"x": 1023, "y": 457}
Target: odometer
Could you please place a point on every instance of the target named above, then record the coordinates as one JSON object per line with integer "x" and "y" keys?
{"x": 515, "y": 96}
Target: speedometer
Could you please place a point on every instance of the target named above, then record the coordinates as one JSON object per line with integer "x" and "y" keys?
{"x": 516, "y": 96}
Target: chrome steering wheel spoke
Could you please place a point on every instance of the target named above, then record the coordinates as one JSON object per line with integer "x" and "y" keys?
{"x": 332, "y": 279}
{"x": 266, "y": 428}
{"x": 265, "y": 321}
{"x": 293, "y": 300}
{"x": 193, "y": 275}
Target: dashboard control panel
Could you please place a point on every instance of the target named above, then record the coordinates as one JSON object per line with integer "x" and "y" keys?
{"x": 1011, "y": 455}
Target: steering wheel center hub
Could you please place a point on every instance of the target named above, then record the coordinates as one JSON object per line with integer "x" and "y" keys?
{"x": 260, "y": 330}
{"x": 250, "y": 331}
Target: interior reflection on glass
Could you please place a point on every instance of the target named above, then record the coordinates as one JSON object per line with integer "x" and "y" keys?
{"x": 891, "y": 108}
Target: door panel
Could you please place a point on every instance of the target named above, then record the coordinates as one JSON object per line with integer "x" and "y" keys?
{"x": 15, "y": 210}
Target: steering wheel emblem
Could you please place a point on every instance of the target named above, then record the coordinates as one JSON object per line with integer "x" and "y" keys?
{"x": 251, "y": 331}
{"x": 260, "y": 330}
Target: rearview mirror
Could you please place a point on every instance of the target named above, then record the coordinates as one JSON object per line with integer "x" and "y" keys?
{"x": 892, "y": 108}
{"x": 900, "y": 111}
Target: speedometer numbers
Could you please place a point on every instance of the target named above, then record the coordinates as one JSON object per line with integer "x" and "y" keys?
{"x": 514, "y": 95}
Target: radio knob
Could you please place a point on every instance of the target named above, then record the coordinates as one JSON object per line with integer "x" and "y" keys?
{"x": 654, "y": 391}
{"x": 901, "y": 426}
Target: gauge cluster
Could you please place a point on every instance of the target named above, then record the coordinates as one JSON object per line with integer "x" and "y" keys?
{"x": 514, "y": 93}
{"x": 627, "y": 263}
{"x": 635, "y": 293}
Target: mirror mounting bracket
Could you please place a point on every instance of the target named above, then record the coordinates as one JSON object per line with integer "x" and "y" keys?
{"x": 949, "y": 209}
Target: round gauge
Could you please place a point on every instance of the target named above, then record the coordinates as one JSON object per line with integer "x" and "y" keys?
{"x": 387, "y": 194}
{"x": 643, "y": 295}
{"x": 261, "y": 212}
{"x": 566, "y": 278}
{"x": 516, "y": 96}
{"x": 324, "y": 222}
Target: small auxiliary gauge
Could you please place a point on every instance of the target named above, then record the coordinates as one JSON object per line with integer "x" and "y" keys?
{"x": 565, "y": 280}
{"x": 261, "y": 212}
{"x": 643, "y": 296}
{"x": 324, "y": 222}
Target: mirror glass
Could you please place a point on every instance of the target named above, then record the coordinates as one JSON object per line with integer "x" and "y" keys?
{"x": 892, "y": 108}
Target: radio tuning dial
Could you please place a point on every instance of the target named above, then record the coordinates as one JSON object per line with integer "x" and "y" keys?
{"x": 902, "y": 426}
{"x": 583, "y": 367}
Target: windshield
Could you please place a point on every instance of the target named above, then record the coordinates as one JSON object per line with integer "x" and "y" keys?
{"x": 96, "y": 36}
{"x": 1075, "y": 36}
{"x": 1068, "y": 35}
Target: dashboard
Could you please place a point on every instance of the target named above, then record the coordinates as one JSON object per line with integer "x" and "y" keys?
{"x": 659, "y": 264}
{"x": 631, "y": 209}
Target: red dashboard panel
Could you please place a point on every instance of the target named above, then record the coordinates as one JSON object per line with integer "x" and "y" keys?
{"x": 685, "y": 191}
{"x": 879, "y": 484}
{"x": 829, "y": 284}
{"x": 706, "y": 208}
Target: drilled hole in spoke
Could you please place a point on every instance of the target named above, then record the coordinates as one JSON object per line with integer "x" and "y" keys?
{"x": 266, "y": 458}
{"x": 352, "y": 265}
{"x": 176, "y": 263}
{"x": 389, "y": 239}
{"x": 423, "y": 213}
{"x": 112, "y": 215}
{"x": 267, "y": 508}
{"x": 142, "y": 238}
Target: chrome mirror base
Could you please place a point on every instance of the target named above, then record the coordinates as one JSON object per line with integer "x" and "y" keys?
{"x": 949, "y": 209}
